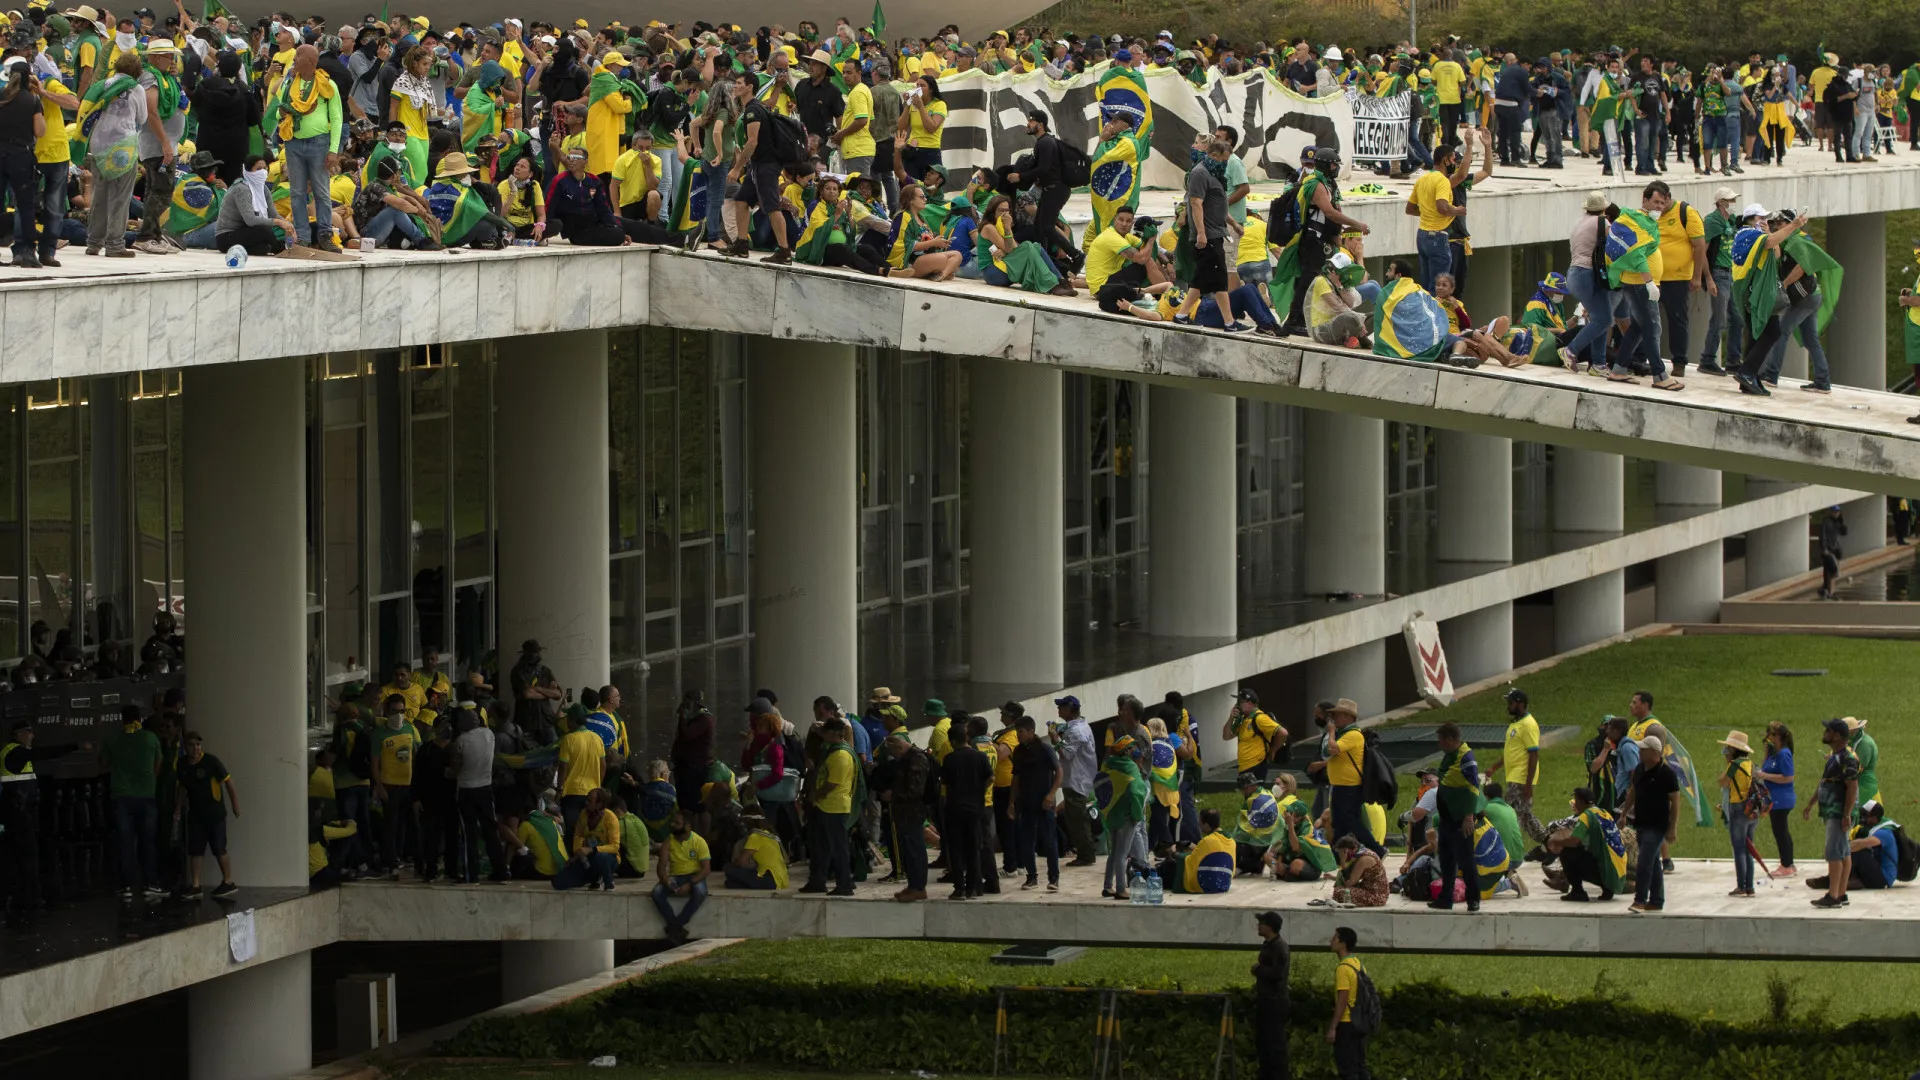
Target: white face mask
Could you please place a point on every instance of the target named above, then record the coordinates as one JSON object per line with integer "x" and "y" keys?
{"x": 125, "y": 41}
{"x": 398, "y": 147}
{"x": 257, "y": 176}
{"x": 464, "y": 181}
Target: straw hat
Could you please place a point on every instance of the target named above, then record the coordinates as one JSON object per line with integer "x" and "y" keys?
{"x": 882, "y": 695}
{"x": 820, "y": 56}
{"x": 454, "y": 164}
{"x": 1737, "y": 740}
{"x": 1348, "y": 706}
{"x": 1854, "y": 723}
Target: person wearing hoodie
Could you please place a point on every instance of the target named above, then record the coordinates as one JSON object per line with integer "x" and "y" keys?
{"x": 228, "y": 112}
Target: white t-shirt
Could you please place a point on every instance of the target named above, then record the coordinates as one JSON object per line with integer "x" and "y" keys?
{"x": 476, "y": 758}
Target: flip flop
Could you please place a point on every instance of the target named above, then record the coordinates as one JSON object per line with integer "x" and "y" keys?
{"x": 1670, "y": 385}
{"x": 1611, "y": 377}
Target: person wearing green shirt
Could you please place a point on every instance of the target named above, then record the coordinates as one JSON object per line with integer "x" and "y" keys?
{"x": 1868, "y": 752}
{"x": 1720, "y": 226}
{"x": 133, "y": 765}
{"x": 1494, "y": 808}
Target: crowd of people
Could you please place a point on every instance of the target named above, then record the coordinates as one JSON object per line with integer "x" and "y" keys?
{"x": 142, "y": 134}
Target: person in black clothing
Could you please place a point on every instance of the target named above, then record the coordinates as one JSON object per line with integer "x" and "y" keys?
{"x": 1653, "y": 804}
{"x": 564, "y": 80}
{"x": 761, "y": 184}
{"x": 20, "y": 819}
{"x": 21, "y": 123}
{"x": 1045, "y": 173}
{"x": 585, "y": 213}
{"x": 1319, "y": 230}
{"x": 1036, "y": 791}
{"x": 1792, "y": 282}
{"x": 228, "y": 111}
{"x": 1271, "y": 1003}
{"x": 1839, "y": 99}
{"x": 433, "y": 789}
{"x": 1832, "y": 528}
{"x": 907, "y": 807}
{"x": 819, "y": 101}
{"x": 966, "y": 773}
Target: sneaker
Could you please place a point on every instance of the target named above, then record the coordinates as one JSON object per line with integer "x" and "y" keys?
{"x": 1187, "y": 320}
{"x": 1782, "y": 872}
{"x": 1816, "y": 388}
{"x": 609, "y": 885}
{"x": 1053, "y": 886}
{"x": 1006, "y": 873}
{"x": 836, "y": 892}
{"x": 49, "y": 261}
{"x": 1238, "y": 327}
{"x": 152, "y": 247}
{"x": 1707, "y": 367}
{"x": 1580, "y": 897}
{"x": 910, "y": 896}
{"x": 1827, "y": 902}
{"x": 1666, "y": 865}
{"x": 155, "y": 892}
{"x": 123, "y": 253}
{"x": 1030, "y": 883}
{"x": 224, "y": 890}
{"x": 93, "y": 250}
{"x": 1751, "y": 385}
{"x": 782, "y": 257}
{"x": 593, "y": 886}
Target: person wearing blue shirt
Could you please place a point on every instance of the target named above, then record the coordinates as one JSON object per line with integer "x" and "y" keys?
{"x": 1876, "y": 853}
{"x": 1777, "y": 773}
{"x": 960, "y": 213}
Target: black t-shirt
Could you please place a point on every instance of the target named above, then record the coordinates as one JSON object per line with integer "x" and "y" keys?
{"x": 1303, "y": 73}
{"x": 202, "y": 779}
{"x": 1033, "y": 768}
{"x": 1651, "y": 787}
{"x": 758, "y": 113}
{"x": 1653, "y": 91}
{"x": 967, "y": 773}
{"x": 16, "y": 121}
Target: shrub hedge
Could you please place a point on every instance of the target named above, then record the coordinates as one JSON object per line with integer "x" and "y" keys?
{"x": 1432, "y": 1032}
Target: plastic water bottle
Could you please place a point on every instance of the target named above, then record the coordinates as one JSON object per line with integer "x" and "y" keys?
{"x": 236, "y": 257}
{"x": 1137, "y": 888}
{"x": 1156, "y": 893}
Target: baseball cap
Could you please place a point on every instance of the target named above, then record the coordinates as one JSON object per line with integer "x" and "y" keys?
{"x": 1652, "y": 742}
{"x": 1725, "y": 194}
{"x": 1753, "y": 210}
{"x": 1517, "y": 694}
{"x": 1068, "y": 702}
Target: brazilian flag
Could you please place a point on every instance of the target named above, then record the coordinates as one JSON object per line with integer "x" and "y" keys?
{"x": 1258, "y": 819}
{"x": 101, "y": 94}
{"x": 657, "y": 803}
{"x": 214, "y": 9}
{"x": 195, "y": 203}
{"x": 1490, "y": 858}
{"x": 1816, "y": 262}
{"x": 1756, "y": 276}
{"x": 1129, "y": 802}
{"x": 1409, "y": 323}
{"x": 1166, "y": 776}
{"x": 1286, "y": 269}
{"x": 1115, "y": 177}
{"x": 688, "y": 211}
{"x": 459, "y": 209}
{"x": 1599, "y": 836}
{"x": 1631, "y": 242}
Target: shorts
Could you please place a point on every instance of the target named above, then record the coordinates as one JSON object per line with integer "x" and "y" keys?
{"x": 762, "y": 182}
{"x": 1210, "y": 267}
{"x": 1838, "y": 848}
{"x": 1122, "y": 287}
{"x": 207, "y": 830}
{"x": 1258, "y": 272}
{"x": 1822, "y": 115}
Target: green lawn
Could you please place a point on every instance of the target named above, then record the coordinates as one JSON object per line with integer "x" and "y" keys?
{"x": 1702, "y": 688}
{"x": 531, "y": 1071}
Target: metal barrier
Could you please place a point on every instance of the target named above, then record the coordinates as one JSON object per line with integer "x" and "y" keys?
{"x": 1109, "y": 1051}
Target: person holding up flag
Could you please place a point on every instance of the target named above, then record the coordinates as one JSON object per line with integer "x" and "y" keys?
{"x": 1811, "y": 280}
{"x": 1126, "y": 135}
{"x": 1634, "y": 267}
{"x": 1757, "y": 253}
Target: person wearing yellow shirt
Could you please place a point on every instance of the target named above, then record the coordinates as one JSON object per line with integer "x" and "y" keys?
{"x": 596, "y": 846}
{"x": 1209, "y": 866}
{"x": 1448, "y": 76}
{"x": 1432, "y": 203}
{"x": 1257, "y": 737}
{"x": 758, "y": 860}
{"x": 51, "y": 160}
{"x": 607, "y": 110}
{"x": 542, "y": 850}
{"x": 394, "y": 744}
{"x": 404, "y": 688}
{"x": 583, "y": 760}
{"x": 1004, "y": 741}
{"x": 1121, "y": 270}
{"x": 684, "y": 865}
{"x": 1343, "y": 772}
{"x": 1349, "y": 1046}
{"x": 854, "y": 138}
{"x": 832, "y": 789}
{"x": 635, "y": 190}
{"x": 1683, "y": 272}
{"x": 1520, "y": 763}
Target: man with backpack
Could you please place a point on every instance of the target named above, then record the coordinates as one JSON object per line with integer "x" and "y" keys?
{"x": 907, "y": 802}
{"x": 1344, "y": 773}
{"x": 1684, "y": 270}
{"x": 1877, "y": 850}
{"x": 1052, "y": 169}
{"x": 1356, "y": 1008}
{"x": 769, "y": 147}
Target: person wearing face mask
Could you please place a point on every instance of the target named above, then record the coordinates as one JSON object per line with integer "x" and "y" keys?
{"x": 166, "y": 123}
{"x": 392, "y": 145}
{"x": 126, "y": 41}
{"x": 1045, "y": 173}
{"x": 685, "y": 863}
{"x": 395, "y": 742}
{"x": 246, "y": 215}
{"x": 228, "y": 112}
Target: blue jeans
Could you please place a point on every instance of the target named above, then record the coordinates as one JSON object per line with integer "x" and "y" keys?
{"x": 200, "y": 239}
{"x": 134, "y": 820}
{"x": 716, "y": 176}
{"x": 1646, "y": 130}
{"x": 383, "y": 224}
{"x": 597, "y": 866}
{"x": 1740, "y": 832}
{"x": 1643, "y": 333}
{"x": 1674, "y": 297}
{"x": 663, "y": 893}
{"x": 1245, "y": 300}
{"x": 1725, "y": 319}
{"x": 356, "y": 805}
{"x": 1800, "y": 318}
{"x": 1034, "y": 831}
{"x": 53, "y": 206}
{"x": 1590, "y": 343}
{"x": 1733, "y": 138}
{"x": 1648, "y": 885}
{"x": 1417, "y": 152}
{"x": 307, "y": 178}
{"x": 1350, "y": 818}
{"x": 1436, "y": 256}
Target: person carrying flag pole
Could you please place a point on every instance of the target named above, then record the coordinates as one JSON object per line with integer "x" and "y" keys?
{"x": 1756, "y": 280}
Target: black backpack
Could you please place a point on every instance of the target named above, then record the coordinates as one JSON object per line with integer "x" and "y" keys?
{"x": 1076, "y": 168}
{"x": 1378, "y": 784}
{"x": 1283, "y": 216}
{"x": 785, "y": 137}
{"x": 930, "y": 795}
{"x": 1367, "y": 1010}
{"x": 1907, "y": 855}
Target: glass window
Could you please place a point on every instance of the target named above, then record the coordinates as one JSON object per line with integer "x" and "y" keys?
{"x": 730, "y": 479}
{"x": 695, "y": 420}
{"x": 429, "y": 527}
{"x": 10, "y": 628}
{"x": 623, "y": 438}
{"x": 696, "y": 594}
{"x": 345, "y": 593}
{"x": 472, "y": 463}
{"x": 150, "y": 533}
{"x": 472, "y": 622}
{"x": 389, "y": 524}
{"x": 662, "y": 487}
{"x": 626, "y": 611}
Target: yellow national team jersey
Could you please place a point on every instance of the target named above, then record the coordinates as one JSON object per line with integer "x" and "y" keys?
{"x": 1003, "y": 767}
{"x": 767, "y": 857}
{"x": 396, "y": 747}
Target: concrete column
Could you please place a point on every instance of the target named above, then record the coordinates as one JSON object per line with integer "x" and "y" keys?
{"x": 1473, "y": 534}
{"x": 1346, "y": 544}
{"x": 1857, "y": 338}
{"x": 1208, "y": 710}
{"x": 531, "y": 967}
{"x": 257, "y": 1023}
{"x": 1191, "y": 534}
{"x": 1489, "y": 292}
{"x": 1587, "y": 509}
{"x": 1016, "y": 469}
{"x": 551, "y": 438}
{"x": 1778, "y": 551}
{"x": 1866, "y": 524}
{"x": 245, "y": 469}
{"x": 806, "y": 631}
{"x": 1688, "y": 585}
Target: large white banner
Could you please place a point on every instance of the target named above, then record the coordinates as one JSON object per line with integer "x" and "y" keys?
{"x": 1379, "y": 128}
{"x": 987, "y": 119}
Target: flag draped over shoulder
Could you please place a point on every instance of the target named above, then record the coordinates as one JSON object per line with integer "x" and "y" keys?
{"x": 1286, "y": 269}
{"x": 1409, "y": 323}
{"x": 1166, "y": 776}
{"x": 1490, "y": 858}
{"x": 1631, "y": 241}
{"x": 1682, "y": 762}
{"x": 1600, "y": 837}
{"x": 459, "y": 209}
{"x": 1756, "y": 277}
{"x": 1129, "y": 802}
{"x": 100, "y": 95}
{"x": 1821, "y": 266}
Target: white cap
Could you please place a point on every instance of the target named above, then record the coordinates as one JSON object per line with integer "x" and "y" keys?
{"x": 512, "y": 22}
{"x": 1339, "y": 260}
{"x": 1332, "y": 53}
{"x": 546, "y": 39}
{"x": 1168, "y": 34}
{"x": 1651, "y": 742}
{"x": 1754, "y": 209}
